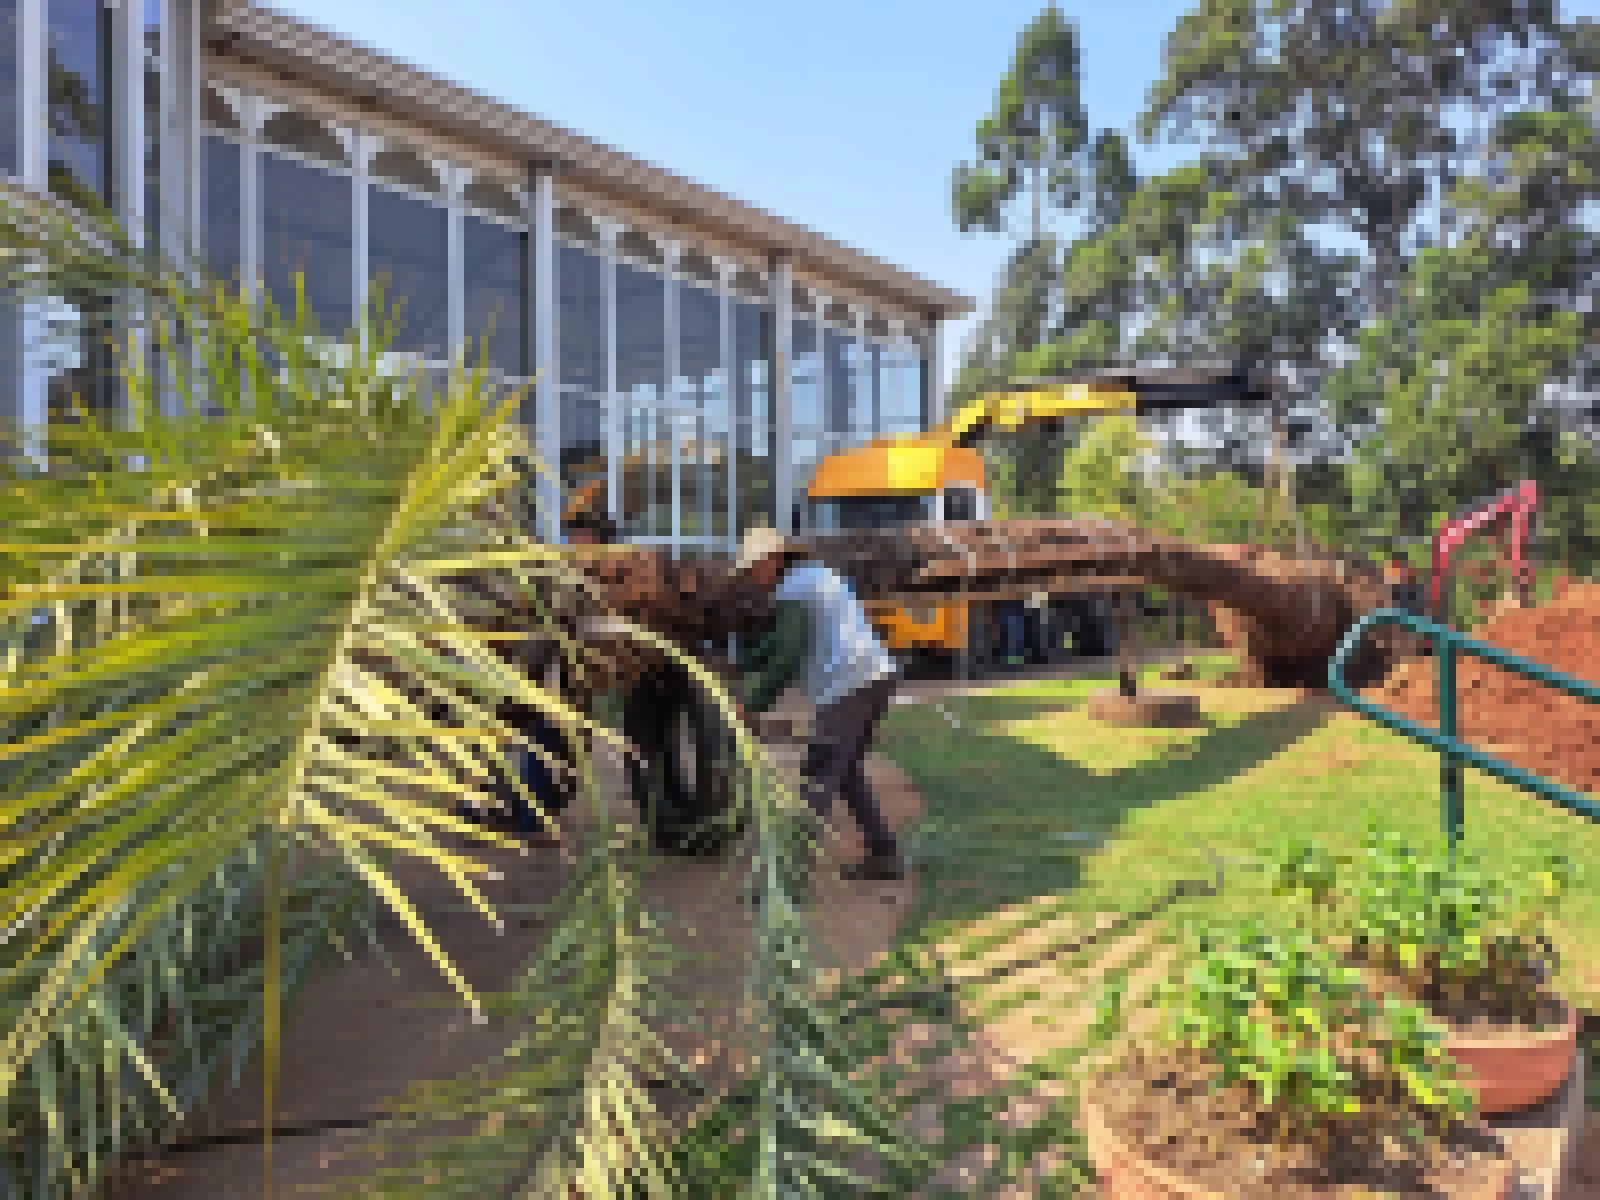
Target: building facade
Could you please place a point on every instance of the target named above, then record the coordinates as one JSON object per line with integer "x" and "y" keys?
{"x": 698, "y": 353}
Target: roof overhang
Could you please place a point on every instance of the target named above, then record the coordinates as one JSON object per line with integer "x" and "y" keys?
{"x": 298, "y": 50}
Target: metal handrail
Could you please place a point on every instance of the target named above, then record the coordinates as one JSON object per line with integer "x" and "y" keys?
{"x": 1452, "y": 751}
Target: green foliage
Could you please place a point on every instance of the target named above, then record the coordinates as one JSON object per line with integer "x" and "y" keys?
{"x": 1101, "y": 474}
{"x": 1457, "y": 938}
{"x": 1033, "y": 136}
{"x": 1282, "y": 1016}
{"x": 1456, "y": 399}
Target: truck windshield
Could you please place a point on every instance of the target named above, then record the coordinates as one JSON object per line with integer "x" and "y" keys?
{"x": 869, "y": 512}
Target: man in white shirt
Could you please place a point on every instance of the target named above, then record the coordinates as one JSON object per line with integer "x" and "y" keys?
{"x": 823, "y": 637}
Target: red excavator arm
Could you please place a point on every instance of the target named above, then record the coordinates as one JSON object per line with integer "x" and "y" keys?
{"x": 1519, "y": 503}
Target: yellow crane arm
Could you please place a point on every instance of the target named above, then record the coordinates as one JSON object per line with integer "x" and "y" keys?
{"x": 1147, "y": 390}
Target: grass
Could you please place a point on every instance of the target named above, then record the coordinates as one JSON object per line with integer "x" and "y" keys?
{"x": 1025, "y": 796}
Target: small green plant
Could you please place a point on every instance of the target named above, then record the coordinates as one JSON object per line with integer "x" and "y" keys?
{"x": 1326, "y": 1060}
{"x": 1456, "y": 938}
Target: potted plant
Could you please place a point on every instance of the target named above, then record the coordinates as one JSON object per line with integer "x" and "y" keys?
{"x": 1467, "y": 946}
{"x": 1281, "y": 1075}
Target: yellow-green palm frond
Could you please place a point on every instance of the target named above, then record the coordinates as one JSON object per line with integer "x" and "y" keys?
{"x": 213, "y": 622}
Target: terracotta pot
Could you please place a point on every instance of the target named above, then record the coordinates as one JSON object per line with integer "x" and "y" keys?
{"x": 1513, "y": 1071}
{"x": 1125, "y": 1174}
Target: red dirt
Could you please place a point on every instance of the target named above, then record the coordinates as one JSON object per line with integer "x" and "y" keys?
{"x": 1521, "y": 721}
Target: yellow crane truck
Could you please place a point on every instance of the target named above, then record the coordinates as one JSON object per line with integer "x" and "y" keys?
{"x": 939, "y": 477}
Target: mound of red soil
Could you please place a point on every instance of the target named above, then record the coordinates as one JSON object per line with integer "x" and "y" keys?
{"x": 1521, "y": 721}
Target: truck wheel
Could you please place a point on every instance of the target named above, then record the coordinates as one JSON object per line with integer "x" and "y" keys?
{"x": 689, "y": 773}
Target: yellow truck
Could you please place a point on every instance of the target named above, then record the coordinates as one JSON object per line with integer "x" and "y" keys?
{"x": 939, "y": 477}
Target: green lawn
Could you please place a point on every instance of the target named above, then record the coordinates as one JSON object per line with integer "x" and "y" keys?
{"x": 1026, "y": 796}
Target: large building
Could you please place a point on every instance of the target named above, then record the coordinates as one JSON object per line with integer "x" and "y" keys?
{"x": 699, "y": 352}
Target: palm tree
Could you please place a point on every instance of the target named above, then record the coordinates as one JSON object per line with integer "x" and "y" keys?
{"x": 244, "y": 676}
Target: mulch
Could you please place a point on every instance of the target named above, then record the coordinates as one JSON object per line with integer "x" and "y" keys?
{"x": 1519, "y": 720}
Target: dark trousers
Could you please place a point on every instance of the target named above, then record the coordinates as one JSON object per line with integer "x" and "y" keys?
{"x": 835, "y": 763}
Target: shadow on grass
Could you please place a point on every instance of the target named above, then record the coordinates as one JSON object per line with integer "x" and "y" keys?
{"x": 1005, "y": 820}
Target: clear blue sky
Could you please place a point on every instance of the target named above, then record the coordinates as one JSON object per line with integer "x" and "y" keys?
{"x": 843, "y": 116}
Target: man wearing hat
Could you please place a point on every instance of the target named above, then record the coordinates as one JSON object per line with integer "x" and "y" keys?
{"x": 822, "y": 636}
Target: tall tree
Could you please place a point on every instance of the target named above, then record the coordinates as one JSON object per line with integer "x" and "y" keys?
{"x": 1033, "y": 151}
{"x": 1033, "y": 138}
{"x": 1355, "y": 114}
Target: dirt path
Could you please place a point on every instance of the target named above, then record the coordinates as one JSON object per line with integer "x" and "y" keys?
{"x": 358, "y": 1035}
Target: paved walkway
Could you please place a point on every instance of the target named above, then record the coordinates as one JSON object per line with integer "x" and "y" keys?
{"x": 359, "y": 1035}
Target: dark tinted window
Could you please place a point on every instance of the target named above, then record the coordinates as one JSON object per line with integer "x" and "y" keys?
{"x": 305, "y": 227}
{"x": 78, "y": 73}
{"x": 960, "y": 504}
{"x": 8, "y": 86}
{"x": 219, "y": 179}
{"x": 494, "y": 292}
{"x": 581, "y": 325}
{"x": 868, "y": 512}
{"x": 641, "y": 331}
{"x": 406, "y": 256}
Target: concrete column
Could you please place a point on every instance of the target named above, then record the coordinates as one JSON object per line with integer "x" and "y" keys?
{"x": 363, "y": 146}
{"x": 547, "y": 397}
{"x": 863, "y": 370}
{"x": 616, "y": 443}
{"x": 675, "y": 422}
{"x": 782, "y": 283}
{"x": 934, "y": 348}
{"x": 29, "y": 406}
{"x": 253, "y": 115}
{"x": 819, "y": 305}
{"x": 127, "y": 116}
{"x": 726, "y": 352}
{"x": 455, "y": 179}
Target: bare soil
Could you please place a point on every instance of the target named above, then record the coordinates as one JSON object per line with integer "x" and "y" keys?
{"x": 1527, "y": 723}
{"x": 1166, "y": 1108}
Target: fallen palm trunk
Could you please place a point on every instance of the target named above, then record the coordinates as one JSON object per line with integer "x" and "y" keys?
{"x": 1284, "y": 614}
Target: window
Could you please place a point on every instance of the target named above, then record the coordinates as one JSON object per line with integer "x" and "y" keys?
{"x": 491, "y": 197}
{"x": 582, "y": 438}
{"x": 405, "y": 167}
{"x": 306, "y": 228}
{"x": 641, "y": 334}
{"x": 899, "y": 370}
{"x": 581, "y": 320}
{"x": 805, "y": 376}
{"x": 752, "y": 356}
{"x": 870, "y": 512}
{"x": 218, "y": 113}
{"x": 407, "y": 240}
{"x": 700, "y": 352}
{"x": 641, "y": 246}
{"x": 494, "y": 290}
{"x": 79, "y": 74}
{"x": 574, "y": 225}
{"x": 840, "y": 354}
{"x": 219, "y": 179}
{"x": 960, "y": 504}
{"x": 305, "y": 135}
{"x": 10, "y": 132}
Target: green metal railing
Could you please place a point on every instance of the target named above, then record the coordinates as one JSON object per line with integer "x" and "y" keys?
{"x": 1453, "y": 752}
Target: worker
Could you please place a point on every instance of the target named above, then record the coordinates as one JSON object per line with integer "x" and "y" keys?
{"x": 822, "y": 636}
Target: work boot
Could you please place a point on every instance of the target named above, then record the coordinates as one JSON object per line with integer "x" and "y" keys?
{"x": 881, "y": 864}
